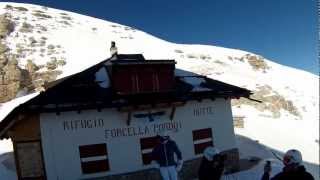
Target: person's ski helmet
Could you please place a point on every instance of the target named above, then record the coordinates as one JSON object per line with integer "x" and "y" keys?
{"x": 209, "y": 152}
{"x": 164, "y": 135}
{"x": 292, "y": 156}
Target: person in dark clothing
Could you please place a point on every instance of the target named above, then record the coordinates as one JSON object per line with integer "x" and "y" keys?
{"x": 113, "y": 49}
{"x": 293, "y": 170}
{"x": 164, "y": 153}
{"x": 212, "y": 165}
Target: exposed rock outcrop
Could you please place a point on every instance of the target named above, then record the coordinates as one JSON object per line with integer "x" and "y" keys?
{"x": 16, "y": 73}
{"x": 6, "y": 25}
{"x": 271, "y": 101}
{"x": 256, "y": 62}
{"x": 12, "y": 79}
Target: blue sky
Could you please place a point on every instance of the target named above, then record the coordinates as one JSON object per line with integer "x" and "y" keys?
{"x": 284, "y": 31}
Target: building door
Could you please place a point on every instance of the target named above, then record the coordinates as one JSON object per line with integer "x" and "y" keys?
{"x": 29, "y": 160}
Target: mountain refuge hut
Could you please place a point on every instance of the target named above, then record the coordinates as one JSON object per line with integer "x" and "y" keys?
{"x": 103, "y": 121}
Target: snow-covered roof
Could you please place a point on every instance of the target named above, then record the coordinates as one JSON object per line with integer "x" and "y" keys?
{"x": 7, "y": 107}
{"x": 10, "y": 106}
{"x": 196, "y": 82}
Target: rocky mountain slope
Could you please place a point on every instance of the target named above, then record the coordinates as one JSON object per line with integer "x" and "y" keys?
{"x": 40, "y": 44}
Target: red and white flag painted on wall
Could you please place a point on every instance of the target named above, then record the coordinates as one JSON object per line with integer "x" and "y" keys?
{"x": 94, "y": 158}
{"x": 147, "y": 145}
{"x": 202, "y": 138}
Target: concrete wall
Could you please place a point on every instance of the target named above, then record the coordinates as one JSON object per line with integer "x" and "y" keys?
{"x": 63, "y": 134}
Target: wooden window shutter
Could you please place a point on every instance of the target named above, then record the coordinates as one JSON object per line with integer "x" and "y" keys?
{"x": 147, "y": 145}
{"x": 94, "y": 158}
{"x": 202, "y": 138}
{"x": 155, "y": 81}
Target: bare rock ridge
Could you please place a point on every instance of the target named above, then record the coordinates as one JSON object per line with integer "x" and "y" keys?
{"x": 17, "y": 79}
{"x": 271, "y": 101}
{"x": 257, "y": 62}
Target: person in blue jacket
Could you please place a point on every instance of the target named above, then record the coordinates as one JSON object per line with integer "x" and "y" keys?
{"x": 164, "y": 154}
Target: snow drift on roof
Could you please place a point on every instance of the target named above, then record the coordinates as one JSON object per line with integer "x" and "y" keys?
{"x": 9, "y": 106}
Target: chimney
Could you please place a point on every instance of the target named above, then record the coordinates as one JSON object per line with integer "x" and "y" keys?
{"x": 113, "y": 49}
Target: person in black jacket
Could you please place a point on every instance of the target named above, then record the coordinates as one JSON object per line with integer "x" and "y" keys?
{"x": 293, "y": 170}
{"x": 212, "y": 164}
{"x": 164, "y": 153}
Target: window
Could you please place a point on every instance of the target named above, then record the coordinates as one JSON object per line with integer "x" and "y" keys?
{"x": 202, "y": 138}
{"x": 147, "y": 145}
{"x": 143, "y": 78}
{"x": 94, "y": 158}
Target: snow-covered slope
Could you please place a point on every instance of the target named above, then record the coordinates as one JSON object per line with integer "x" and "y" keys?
{"x": 288, "y": 117}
